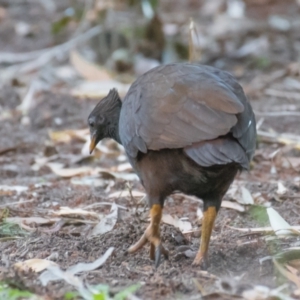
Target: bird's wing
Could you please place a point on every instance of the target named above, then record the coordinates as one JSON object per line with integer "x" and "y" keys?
{"x": 175, "y": 106}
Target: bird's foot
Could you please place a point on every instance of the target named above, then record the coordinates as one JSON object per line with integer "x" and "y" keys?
{"x": 152, "y": 235}
{"x": 201, "y": 260}
{"x": 156, "y": 247}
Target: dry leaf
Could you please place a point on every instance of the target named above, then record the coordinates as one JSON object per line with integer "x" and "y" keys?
{"x": 107, "y": 223}
{"x": 241, "y": 195}
{"x": 281, "y": 189}
{"x": 65, "y": 211}
{"x": 294, "y": 162}
{"x": 124, "y": 167}
{"x": 281, "y": 261}
{"x": 183, "y": 225}
{"x": 55, "y": 273}
{"x": 261, "y": 229}
{"x": 126, "y": 193}
{"x": 15, "y": 188}
{"x": 58, "y": 169}
{"x": 246, "y": 197}
{"x": 69, "y": 172}
{"x": 125, "y": 176}
{"x": 65, "y": 136}
{"x": 199, "y": 214}
{"x": 99, "y": 89}
{"x": 36, "y": 264}
{"x": 87, "y": 69}
{"x": 279, "y": 225}
{"x": 31, "y": 220}
{"x": 88, "y": 180}
{"x": 233, "y": 205}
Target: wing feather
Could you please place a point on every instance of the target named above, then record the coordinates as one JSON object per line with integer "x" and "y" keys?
{"x": 180, "y": 105}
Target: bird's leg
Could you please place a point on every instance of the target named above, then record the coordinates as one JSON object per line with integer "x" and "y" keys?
{"x": 209, "y": 217}
{"x": 152, "y": 234}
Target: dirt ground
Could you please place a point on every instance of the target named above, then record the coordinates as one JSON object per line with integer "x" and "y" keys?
{"x": 235, "y": 257}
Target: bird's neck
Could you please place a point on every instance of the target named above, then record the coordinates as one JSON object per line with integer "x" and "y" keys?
{"x": 114, "y": 134}
{"x": 113, "y": 130}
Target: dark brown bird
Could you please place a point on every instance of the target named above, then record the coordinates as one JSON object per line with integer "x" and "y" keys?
{"x": 185, "y": 127}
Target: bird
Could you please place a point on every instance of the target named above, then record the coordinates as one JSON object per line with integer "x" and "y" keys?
{"x": 185, "y": 127}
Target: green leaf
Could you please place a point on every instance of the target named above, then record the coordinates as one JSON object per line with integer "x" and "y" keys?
{"x": 100, "y": 292}
{"x": 71, "y": 295}
{"x": 58, "y": 26}
{"x": 259, "y": 214}
{"x": 128, "y": 291}
{"x": 7, "y": 293}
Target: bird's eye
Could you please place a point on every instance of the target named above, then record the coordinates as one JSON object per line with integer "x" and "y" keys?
{"x": 91, "y": 122}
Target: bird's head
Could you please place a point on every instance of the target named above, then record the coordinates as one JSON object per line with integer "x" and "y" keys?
{"x": 104, "y": 119}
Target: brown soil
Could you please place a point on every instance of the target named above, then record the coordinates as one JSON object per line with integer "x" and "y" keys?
{"x": 234, "y": 256}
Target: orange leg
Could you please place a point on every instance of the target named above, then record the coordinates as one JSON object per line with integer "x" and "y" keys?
{"x": 209, "y": 217}
{"x": 152, "y": 234}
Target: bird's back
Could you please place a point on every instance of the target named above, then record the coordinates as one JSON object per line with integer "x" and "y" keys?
{"x": 198, "y": 108}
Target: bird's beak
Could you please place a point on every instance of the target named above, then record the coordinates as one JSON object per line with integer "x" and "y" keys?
{"x": 93, "y": 143}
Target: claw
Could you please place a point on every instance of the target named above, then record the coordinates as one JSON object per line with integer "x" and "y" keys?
{"x": 152, "y": 252}
{"x": 152, "y": 234}
{"x": 202, "y": 261}
{"x": 159, "y": 250}
{"x": 157, "y": 256}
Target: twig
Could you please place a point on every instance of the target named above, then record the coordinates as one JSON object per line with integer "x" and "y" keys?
{"x": 6, "y": 150}
{"x": 15, "y": 203}
{"x": 49, "y": 5}
{"x": 192, "y": 32}
{"x": 35, "y": 86}
{"x": 52, "y": 53}
{"x": 104, "y": 203}
{"x": 11, "y": 58}
{"x": 283, "y": 94}
{"x": 278, "y": 113}
{"x": 286, "y": 139}
{"x": 84, "y": 22}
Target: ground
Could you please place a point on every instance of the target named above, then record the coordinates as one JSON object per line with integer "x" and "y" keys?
{"x": 235, "y": 257}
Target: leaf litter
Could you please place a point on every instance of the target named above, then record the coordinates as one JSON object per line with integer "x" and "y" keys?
{"x": 81, "y": 188}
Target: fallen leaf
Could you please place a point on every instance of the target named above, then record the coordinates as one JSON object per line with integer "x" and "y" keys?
{"x": 124, "y": 167}
{"x": 30, "y": 220}
{"x": 16, "y": 188}
{"x": 65, "y": 211}
{"x": 126, "y": 193}
{"x": 183, "y": 225}
{"x": 69, "y": 172}
{"x": 294, "y": 162}
{"x": 35, "y": 264}
{"x": 65, "y": 136}
{"x": 232, "y": 205}
{"x": 89, "y": 180}
{"x": 199, "y": 214}
{"x": 247, "y": 198}
{"x": 99, "y": 89}
{"x": 87, "y": 69}
{"x": 241, "y": 195}
{"x": 279, "y": 225}
{"x": 282, "y": 262}
{"x": 125, "y": 176}
{"x": 107, "y": 223}
{"x": 55, "y": 273}
{"x": 281, "y": 189}
{"x": 24, "y": 222}
{"x": 56, "y": 227}
{"x": 261, "y": 229}
{"x": 58, "y": 169}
